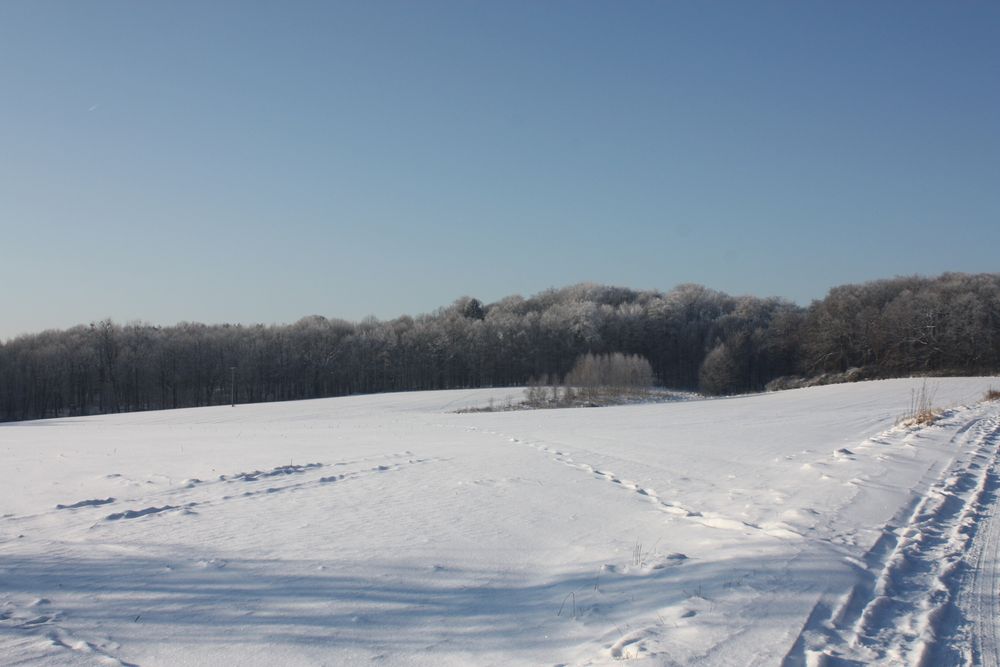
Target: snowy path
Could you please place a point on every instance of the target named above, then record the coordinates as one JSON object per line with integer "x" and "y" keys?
{"x": 903, "y": 608}
{"x": 799, "y": 527}
{"x": 971, "y": 630}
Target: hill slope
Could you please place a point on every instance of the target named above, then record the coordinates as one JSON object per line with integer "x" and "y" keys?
{"x": 755, "y": 530}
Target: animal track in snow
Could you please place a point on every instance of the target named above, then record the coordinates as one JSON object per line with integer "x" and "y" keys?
{"x": 778, "y": 530}
{"x": 273, "y": 472}
{"x": 211, "y": 493}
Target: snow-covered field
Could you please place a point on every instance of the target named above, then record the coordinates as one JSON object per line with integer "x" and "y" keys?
{"x": 793, "y": 528}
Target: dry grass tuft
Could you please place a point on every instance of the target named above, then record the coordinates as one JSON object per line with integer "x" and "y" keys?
{"x": 925, "y": 417}
{"x": 992, "y": 394}
{"x": 922, "y": 411}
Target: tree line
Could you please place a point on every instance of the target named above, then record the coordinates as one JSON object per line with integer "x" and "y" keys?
{"x": 692, "y": 336}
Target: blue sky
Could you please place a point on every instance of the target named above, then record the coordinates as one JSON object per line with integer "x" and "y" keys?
{"x": 259, "y": 162}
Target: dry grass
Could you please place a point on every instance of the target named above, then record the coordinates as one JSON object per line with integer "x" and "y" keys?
{"x": 992, "y": 394}
{"x": 922, "y": 411}
{"x": 925, "y": 417}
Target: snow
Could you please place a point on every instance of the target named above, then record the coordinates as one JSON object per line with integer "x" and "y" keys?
{"x": 795, "y": 528}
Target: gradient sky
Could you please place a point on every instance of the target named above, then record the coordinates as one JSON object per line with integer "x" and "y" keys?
{"x": 258, "y": 162}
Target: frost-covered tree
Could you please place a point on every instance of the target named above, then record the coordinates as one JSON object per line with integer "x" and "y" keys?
{"x": 890, "y": 327}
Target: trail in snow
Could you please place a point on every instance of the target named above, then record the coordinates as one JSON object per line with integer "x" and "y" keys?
{"x": 980, "y": 592}
{"x": 970, "y": 632}
{"x": 707, "y": 518}
{"x": 902, "y": 609}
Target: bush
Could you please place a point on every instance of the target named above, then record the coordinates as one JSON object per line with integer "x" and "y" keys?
{"x": 610, "y": 375}
{"x": 601, "y": 379}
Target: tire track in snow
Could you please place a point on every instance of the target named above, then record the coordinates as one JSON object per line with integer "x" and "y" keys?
{"x": 985, "y": 589}
{"x": 972, "y": 626}
{"x": 901, "y": 611}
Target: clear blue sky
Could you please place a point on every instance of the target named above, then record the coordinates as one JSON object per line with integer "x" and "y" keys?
{"x": 258, "y": 162}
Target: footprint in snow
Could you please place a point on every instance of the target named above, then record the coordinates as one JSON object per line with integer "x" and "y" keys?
{"x": 273, "y": 472}
{"x": 135, "y": 514}
{"x": 86, "y": 503}
{"x": 38, "y": 620}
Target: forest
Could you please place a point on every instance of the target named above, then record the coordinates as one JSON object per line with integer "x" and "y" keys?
{"x": 693, "y": 338}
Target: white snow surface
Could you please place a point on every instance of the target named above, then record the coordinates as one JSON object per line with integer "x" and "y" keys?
{"x": 792, "y": 528}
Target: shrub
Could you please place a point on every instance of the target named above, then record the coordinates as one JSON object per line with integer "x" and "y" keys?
{"x": 610, "y": 375}
{"x": 594, "y": 380}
